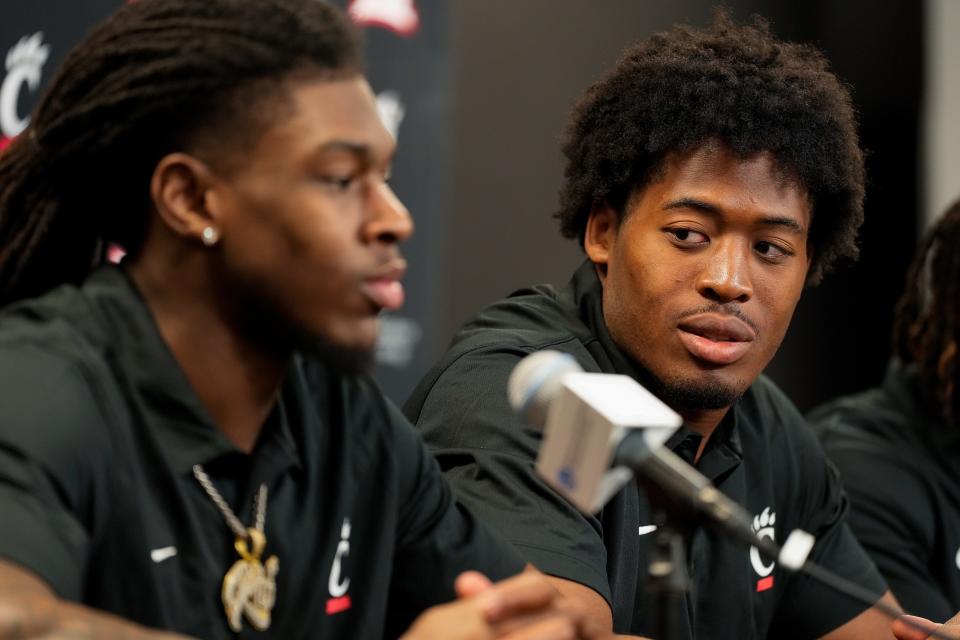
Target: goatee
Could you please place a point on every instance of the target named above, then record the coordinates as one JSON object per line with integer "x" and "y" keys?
{"x": 349, "y": 361}
{"x": 695, "y": 394}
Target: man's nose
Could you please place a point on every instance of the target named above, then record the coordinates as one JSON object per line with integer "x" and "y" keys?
{"x": 726, "y": 275}
{"x": 389, "y": 220}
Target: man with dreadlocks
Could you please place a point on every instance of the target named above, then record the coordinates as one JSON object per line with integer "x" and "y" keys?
{"x": 187, "y": 440}
{"x": 710, "y": 177}
{"x": 898, "y": 445}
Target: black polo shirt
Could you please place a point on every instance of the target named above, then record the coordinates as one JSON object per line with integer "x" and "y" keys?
{"x": 99, "y": 430}
{"x": 762, "y": 455}
{"x": 900, "y": 464}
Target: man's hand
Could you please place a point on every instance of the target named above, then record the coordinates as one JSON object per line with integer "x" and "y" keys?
{"x": 525, "y": 607}
{"x": 906, "y": 631}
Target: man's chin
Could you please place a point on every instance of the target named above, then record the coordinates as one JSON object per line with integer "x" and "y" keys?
{"x": 346, "y": 345}
{"x": 346, "y": 360}
{"x": 349, "y": 359}
{"x": 702, "y": 394}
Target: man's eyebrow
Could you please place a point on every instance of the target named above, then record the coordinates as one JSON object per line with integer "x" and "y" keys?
{"x": 358, "y": 149}
{"x": 367, "y": 154}
{"x": 692, "y": 203}
{"x": 785, "y": 222}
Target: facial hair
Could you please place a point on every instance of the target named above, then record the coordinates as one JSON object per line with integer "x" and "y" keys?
{"x": 695, "y": 394}
{"x": 278, "y": 335}
{"x": 348, "y": 361}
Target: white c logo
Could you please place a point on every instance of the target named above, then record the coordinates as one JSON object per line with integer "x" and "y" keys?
{"x": 763, "y": 570}
{"x": 337, "y": 587}
{"x": 25, "y": 62}
{"x": 763, "y": 526}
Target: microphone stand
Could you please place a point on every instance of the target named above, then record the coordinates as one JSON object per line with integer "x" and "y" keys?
{"x": 669, "y": 581}
{"x": 675, "y": 488}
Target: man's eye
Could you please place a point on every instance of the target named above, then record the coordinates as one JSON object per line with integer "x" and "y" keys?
{"x": 338, "y": 182}
{"x": 688, "y": 236}
{"x": 771, "y": 251}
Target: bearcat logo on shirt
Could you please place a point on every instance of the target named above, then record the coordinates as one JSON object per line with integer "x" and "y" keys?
{"x": 763, "y": 527}
{"x": 399, "y": 16}
{"x": 338, "y": 585}
{"x": 24, "y": 64}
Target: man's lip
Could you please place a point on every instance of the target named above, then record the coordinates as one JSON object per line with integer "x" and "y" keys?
{"x": 383, "y": 286}
{"x": 393, "y": 270}
{"x": 717, "y": 352}
{"x": 718, "y": 328}
{"x": 716, "y": 338}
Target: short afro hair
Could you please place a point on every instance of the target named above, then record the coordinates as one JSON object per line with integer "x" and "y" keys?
{"x": 736, "y": 84}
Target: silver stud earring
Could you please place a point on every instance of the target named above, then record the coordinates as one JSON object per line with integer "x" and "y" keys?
{"x": 209, "y": 236}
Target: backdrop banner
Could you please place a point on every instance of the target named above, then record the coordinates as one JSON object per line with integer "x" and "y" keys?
{"x": 408, "y": 60}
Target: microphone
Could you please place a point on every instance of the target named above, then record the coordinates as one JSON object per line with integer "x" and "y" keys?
{"x": 600, "y": 428}
{"x": 584, "y": 416}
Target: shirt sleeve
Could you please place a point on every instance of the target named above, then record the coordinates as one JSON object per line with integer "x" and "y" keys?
{"x": 810, "y": 608}
{"x": 49, "y": 426}
{"x": 438, "y": 538}
{"x": 893, "y": 516}
{"x": 488, "y": 455}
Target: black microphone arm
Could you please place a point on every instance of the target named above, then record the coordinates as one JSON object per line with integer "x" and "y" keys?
{"x": 670, "y": 474}
{"x": 680, "y": 482}
{"x": 677, "y": 487}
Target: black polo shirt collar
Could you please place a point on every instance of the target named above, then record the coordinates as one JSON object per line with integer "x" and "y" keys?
{"x": 187, "y": 434}
{"x": 724, "y": 451}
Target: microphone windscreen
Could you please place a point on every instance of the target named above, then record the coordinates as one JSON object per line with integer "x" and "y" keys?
{"x": 535, "y": 381}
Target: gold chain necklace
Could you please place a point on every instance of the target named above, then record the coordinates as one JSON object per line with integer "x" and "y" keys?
{"x": 249, "y": 587}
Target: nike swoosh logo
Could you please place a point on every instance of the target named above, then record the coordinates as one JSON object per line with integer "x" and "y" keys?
{"x": 647, "y": 528}
{"x": 163, "y": 553}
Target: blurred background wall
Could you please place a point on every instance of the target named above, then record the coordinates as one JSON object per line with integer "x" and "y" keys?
{"x": 520, "y": 65}
{"x": 479, "y": 91}
{"x": 941, "y": 125}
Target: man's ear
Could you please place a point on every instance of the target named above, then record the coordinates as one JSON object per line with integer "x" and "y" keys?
{"x": 600, "y": 234}
{"x": 182, "y": 191}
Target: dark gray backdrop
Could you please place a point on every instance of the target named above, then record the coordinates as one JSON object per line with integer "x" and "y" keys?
{"x": 485, "y": 86}
{"x": 520, "y": 64}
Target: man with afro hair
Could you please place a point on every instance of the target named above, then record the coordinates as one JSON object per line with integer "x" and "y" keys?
{"x": 710, "y": 177}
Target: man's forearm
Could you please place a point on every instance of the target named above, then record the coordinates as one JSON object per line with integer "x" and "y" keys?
{"x": 29, "y": 610}
{"x": 36, "y": 617}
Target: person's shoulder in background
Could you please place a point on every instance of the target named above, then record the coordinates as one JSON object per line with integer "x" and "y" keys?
{"x": 898, "y": 468}
{"x": 888, "y": 422}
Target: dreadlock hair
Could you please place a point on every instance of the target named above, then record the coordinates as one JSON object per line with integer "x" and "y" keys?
{"x": 733, "y": 84}
{"x": 156, "y": 77}
{"x": 926, "y": 326}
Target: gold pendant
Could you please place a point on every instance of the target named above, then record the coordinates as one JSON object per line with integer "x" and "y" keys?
{"x": 250, "y": 587}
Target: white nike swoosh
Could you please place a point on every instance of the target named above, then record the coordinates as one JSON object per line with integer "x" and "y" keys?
{"x": 647, "y": 528}
{"x": 163, "y": 553}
